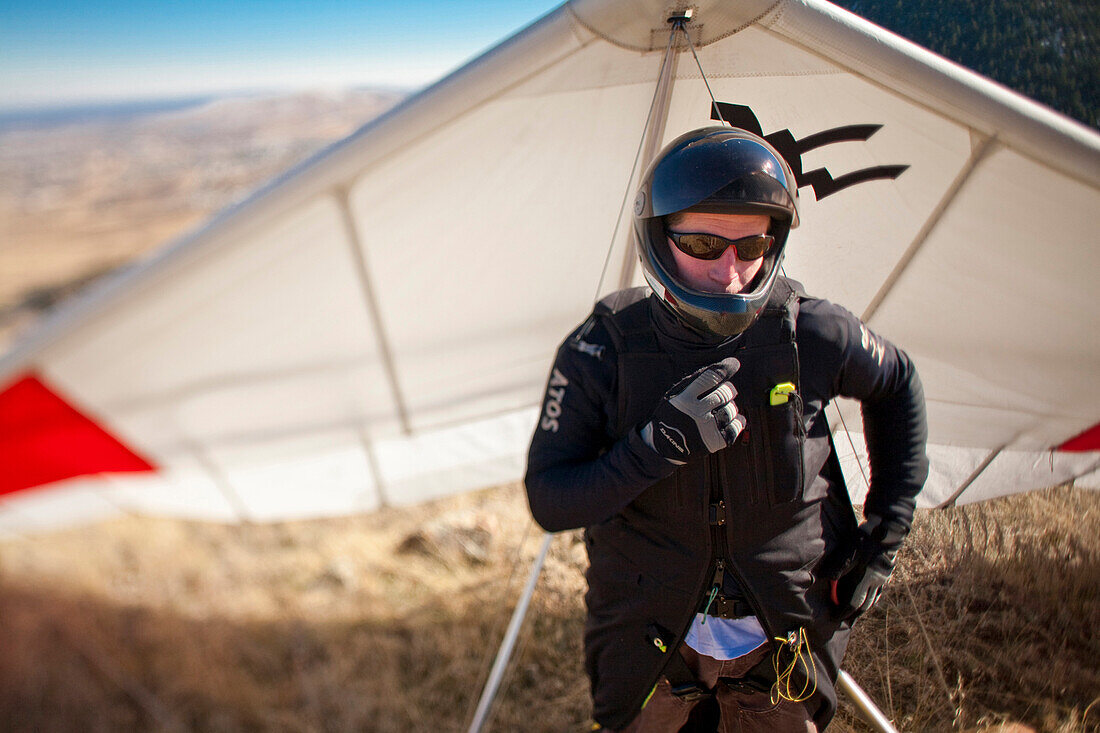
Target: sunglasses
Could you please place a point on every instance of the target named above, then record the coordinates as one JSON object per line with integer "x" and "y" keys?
{"x": 711, "y": 246}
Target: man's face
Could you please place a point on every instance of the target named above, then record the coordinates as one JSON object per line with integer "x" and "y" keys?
{"x": 727, "y": 274}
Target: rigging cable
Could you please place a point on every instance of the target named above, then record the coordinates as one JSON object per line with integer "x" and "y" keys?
{"x": 909, "y": 591}
{"x": 713, "y": 102}
{"x": 666, "y": 59}
{"x": 485, "y": 705}
{"x": 863, "y": 703}
{"x": 847, "y": 433}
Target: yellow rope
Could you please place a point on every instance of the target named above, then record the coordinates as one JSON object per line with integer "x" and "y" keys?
{"x": 799, "y": 646}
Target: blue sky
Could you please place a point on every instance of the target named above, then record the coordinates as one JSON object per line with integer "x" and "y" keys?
{"x": 59, "y": 51}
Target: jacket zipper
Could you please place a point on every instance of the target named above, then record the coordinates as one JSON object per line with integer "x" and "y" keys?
{"x": 723, "y": 561}
{"x": 720, "y": 560}
{"x": 715, "y": 560}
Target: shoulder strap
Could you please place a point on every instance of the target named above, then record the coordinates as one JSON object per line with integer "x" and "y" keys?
{"x": 620, "y": 300}
{"x": 626, "y": 315}
{"x": 777, "y": 321}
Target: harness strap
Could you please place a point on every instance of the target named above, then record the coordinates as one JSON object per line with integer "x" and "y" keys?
{"x": 629, "y": 327}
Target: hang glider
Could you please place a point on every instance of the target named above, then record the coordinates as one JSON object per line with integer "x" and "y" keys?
{"x": 375, "y": 327}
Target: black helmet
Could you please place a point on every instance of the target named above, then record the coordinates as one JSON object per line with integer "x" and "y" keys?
{"x": 720, "y": 170}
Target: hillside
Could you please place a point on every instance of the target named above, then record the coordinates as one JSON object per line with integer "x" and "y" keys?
{"x": 389, "y": 622}
{"x": 1048, "y": 50}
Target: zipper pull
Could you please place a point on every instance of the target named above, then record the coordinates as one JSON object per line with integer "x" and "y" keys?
{"x": 716, "y": 586}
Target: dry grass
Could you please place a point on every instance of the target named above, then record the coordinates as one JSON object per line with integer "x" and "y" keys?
{"x": 389, "y": 623}
{"x": 1008, "y": 593}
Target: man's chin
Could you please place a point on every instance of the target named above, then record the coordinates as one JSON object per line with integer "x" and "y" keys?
{"x": 734, "y": 289}
{"x": 716, "y": 288}
{"x": 719, "y": 289}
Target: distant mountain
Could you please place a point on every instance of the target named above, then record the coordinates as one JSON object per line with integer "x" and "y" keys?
{"x": 121, "y": 112}
{"x": 1048, "y": 50}
{"x": 40, "y": 118}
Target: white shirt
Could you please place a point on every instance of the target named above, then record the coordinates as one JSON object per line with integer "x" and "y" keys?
{"x": 725, "y": 638}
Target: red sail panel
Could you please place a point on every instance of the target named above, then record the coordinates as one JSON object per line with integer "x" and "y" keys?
{"x": 43, "y": 439}
{"x": 1086, "y": 441}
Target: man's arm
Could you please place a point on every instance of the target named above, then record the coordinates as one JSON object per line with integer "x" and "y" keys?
{"x": 577, "y": 474}
{"x": 884, "y": 380}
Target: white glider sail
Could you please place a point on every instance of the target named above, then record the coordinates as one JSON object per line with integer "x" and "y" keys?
{"x": 376, "y": 326}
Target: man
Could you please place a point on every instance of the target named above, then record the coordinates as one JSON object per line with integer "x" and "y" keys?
{"x": 683, "y": 427}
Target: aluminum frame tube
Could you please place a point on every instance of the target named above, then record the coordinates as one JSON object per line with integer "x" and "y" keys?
{"x": 863, "y": 702}
{"x": 504, "y": 653}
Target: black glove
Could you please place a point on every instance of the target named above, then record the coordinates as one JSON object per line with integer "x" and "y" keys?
{"x": 697, "y": 416}
{"x": 858, "y": 579}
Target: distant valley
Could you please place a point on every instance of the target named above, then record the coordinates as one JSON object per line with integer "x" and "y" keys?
{"x": 86, "y": 190}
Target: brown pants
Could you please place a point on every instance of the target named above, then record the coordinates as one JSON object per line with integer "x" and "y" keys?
{"x": 739, "y": 712}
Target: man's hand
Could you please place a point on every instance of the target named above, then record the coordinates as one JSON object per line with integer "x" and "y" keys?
{"x": 697, "y": 416}
{"x": 858, "y": 583}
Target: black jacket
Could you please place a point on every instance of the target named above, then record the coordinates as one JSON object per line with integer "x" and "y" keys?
{"x": 652, "y": 529}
